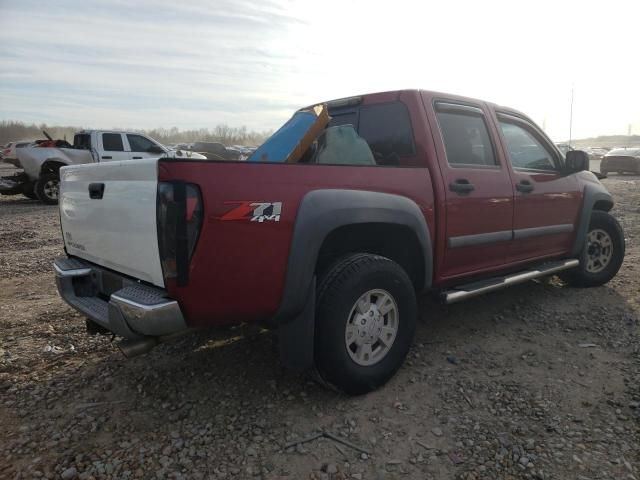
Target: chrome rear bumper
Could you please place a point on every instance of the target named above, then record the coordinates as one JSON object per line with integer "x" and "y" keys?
{"x": 121, "y": 305}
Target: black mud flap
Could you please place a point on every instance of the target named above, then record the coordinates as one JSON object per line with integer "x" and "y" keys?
{"x": 296, "y": 337}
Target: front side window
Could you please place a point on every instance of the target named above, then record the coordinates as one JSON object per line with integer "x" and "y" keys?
{"x": 525, "y": 150}
{"x": 466, "y": 139}
{"x": 112, "y": 142}
{"x": 139, "y": 143}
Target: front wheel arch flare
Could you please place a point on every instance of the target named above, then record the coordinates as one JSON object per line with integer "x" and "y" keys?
{"x": 596, "y": 197}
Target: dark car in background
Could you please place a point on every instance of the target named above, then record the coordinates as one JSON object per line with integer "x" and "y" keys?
{"x": 215, "y": 151}
{"x": 621, "y": 160}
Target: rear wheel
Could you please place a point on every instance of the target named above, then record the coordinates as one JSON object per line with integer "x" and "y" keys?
{"x": 46, "y": 188}
{"x": 602, "y": 255}
{"x": 365, "y": 322}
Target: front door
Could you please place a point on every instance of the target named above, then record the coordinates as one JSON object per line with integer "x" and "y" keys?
{"x": 479, "y": 193}
{"x": 141, "y": 147}
{"x": 547, "y": 201}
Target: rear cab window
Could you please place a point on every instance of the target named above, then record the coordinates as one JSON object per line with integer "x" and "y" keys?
{"x": 82, "y": 141}
{"x": 386, "y": 127}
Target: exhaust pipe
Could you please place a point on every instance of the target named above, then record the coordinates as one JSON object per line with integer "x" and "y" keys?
{"x": 133, "y": 348}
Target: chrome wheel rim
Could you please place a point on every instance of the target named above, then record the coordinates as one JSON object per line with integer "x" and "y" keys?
{"x": 599, "y": 250}
{"x": 50, "y": 189}
{"x": 372, "y": 327}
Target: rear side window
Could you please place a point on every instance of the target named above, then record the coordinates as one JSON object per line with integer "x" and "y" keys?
{"x": 112, "y": 142}
{"x": 139, "y": 143}
{"x": 466, "y": 139}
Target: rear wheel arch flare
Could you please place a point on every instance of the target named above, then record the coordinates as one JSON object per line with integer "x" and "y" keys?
{"x": 51, "y": 166}
{"x": 323, "y": 211}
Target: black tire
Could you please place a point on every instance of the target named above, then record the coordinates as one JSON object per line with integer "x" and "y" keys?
{"x": 581, "y": 276}
{"x": 604, "y": 172}
{"x": 338, "y": 290}
{"x": 44, "y": 191}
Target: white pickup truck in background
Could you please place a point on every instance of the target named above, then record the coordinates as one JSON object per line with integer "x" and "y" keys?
{"x": 41, "y": 164}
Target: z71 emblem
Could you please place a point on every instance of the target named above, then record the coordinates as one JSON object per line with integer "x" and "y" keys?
{"x": 254, "y": 211}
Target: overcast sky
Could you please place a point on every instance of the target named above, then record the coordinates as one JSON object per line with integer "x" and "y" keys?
{"x": 192, "y": 64}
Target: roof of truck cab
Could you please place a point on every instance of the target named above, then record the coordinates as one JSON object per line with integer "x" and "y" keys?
{"x": 390, "y": 95}
{"x": 105, "y": 130}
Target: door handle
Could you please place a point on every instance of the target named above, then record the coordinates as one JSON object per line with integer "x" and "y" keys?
{"x": 96, "y": 190}
{"x": 137, "y": 158}
{"x": 106, "y": 158}
{"x": 524, "y": 186}
{"x": 461, "y": 186}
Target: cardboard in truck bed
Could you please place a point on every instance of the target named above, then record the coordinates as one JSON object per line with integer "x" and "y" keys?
{"x": 291, "y": 140}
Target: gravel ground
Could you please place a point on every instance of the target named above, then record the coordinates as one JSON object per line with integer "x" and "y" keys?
{"x": 540, "y": 381}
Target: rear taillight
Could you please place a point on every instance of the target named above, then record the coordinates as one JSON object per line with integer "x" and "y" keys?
{"x": 179, "y": 217}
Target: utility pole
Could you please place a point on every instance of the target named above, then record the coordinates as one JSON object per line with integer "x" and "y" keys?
{"x": 571, "y": 116}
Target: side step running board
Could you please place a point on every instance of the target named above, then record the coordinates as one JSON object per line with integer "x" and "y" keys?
{"x": 469, "y": 290}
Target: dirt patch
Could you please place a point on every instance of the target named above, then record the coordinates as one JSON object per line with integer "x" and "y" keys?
{"x": 540, "y": 381}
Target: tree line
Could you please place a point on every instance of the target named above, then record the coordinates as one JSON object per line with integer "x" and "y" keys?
{"x": 15, "y": 131}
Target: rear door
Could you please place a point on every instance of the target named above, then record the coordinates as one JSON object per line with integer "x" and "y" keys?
{"x": 108, "y": 216}
{"x": 112, "y": 147}
{"x": 547, "y": 201}
{"x": 479, "y": 194}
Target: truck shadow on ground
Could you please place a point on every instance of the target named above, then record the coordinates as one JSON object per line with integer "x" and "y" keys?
{"x": 206, "y": 369}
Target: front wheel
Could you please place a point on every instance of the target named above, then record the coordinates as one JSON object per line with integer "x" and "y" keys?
{"x": 365, "y": 322}
{"x": 602, "y": 255}
{"x": 46, "y": 188}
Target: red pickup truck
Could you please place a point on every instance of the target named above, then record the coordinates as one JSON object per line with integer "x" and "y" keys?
{"x": 454, "y": 195}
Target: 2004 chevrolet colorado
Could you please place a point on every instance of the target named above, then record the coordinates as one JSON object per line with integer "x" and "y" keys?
{"x": 456, "y": 196}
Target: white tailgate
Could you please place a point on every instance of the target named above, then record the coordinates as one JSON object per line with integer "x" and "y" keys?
{"x": 118, "y": 231}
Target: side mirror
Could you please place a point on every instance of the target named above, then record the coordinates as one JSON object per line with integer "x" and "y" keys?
{"x": 576, "y": 161}
{"x": 155, "y": 149}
